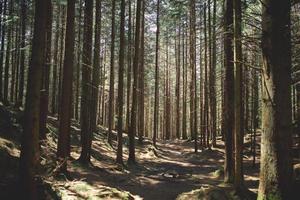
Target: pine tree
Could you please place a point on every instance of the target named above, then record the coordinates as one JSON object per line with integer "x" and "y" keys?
{"x": 63, "y": 145}
{"x": 228, "y": 93}
{"x": 85, "y": 123}
{"x": 121, "y": 84}
{"x": 29, "y": 158}
{"x": 276, "y": 174}
{"x": 156, "y": 95}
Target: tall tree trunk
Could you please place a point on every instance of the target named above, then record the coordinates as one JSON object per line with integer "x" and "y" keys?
{"x": 238, "y": 99}
{"x": 112, "y": 76}
{"x": 156, "y": 95}
{"x": 184, "y": 86}
{"x": 86, "y": 132}
{"x": 213, "y": 77}
{"x": 96, "y": 67}
{"x": 129, "y": 66}
{"x": 103, "y": 83}
{"x": 194, "y": 128}
{"x": 202, "y": 130}
{"x": 23, "y": 52}
{"x": 78, "y": 64}
{"x": 55, "y": 64}
{"x": 7, "y": 56}
{"x": 63, "y": 145}
{"x": 206, "y": 92}
{"x": 177, "y": 86}
{"x": 17, "y": 63}
{"x": 61, "y": 55}
{"x": 119, "y": 159}
{"x": 228, "y": 93}
{"x": 141, "y": 81}
{"x": 3, "y": 32}
{"x": 29, "y": 158}
{"x": 209, "y": 73}
{"x": 276, "y": 174}
{"x": 46, "y": 75}
{"x": 167, "y": 94}
{"x": 255, "y": 101}
{"x": 132, "y": 128}
{"x": 14, "y": 59}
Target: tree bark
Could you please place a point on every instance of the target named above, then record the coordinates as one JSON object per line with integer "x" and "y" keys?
{"x": 63, "y": 145}
{"x": 213, "y": 78}
{"x": 133, "y": 128}
{"x": 23, "y": 52}
{"x": 86, "y": 132}
{"x": 96, "y": 67}
{"x": 3, "y": 33}
{"x": 112, "y": 76}
{"x": 238, "y": 99}
{"x": 141, "y": 82}
{"x": 119, "y": 158}
{"x": 194, "y": 128}
{"x": 55, "y": 64}
{"x": 46, "y": 75}
{"x": 7, "y": 56}
{"x": 129, "y": 65}
{"x": 229, "y": 92}
{"x": 156, "y": 95}
{"x": 276, "y": 175}
{"x": 177, "y": 86}
{"x": 29, "y": 158}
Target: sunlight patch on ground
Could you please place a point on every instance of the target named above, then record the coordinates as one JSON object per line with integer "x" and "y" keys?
{"x": 10, "y": 147}
{"x": 208, "y": 193}
{"x": 77, "y": 190}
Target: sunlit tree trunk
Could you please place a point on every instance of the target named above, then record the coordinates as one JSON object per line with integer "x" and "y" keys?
{"x": 78, "y": 64}
{"x": 96, "y": 66}
{"x": 276, "y": 174}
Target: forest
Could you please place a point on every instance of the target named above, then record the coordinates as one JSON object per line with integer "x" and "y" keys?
{"x": 150, "y": 99}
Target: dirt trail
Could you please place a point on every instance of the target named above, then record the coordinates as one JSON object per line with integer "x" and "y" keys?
{"x": 163, "y": 173}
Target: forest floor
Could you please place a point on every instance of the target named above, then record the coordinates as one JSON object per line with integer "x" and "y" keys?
{"x": 162, "y": 173}
{"x": 171, "y": 171}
